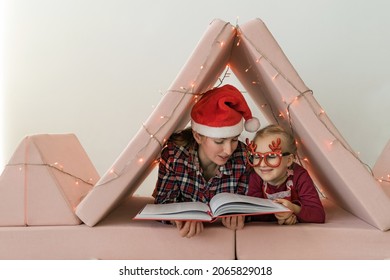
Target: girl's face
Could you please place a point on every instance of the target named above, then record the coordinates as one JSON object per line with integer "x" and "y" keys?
{"x": 273, "y": 175}
{"x": 215, "y": 150}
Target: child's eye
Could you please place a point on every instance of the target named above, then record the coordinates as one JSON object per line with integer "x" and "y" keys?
{"x": 272, "y": 156}
{"x": 255, "y": 156}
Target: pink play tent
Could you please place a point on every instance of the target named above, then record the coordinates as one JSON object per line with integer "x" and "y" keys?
{"x": 271, "y": 81}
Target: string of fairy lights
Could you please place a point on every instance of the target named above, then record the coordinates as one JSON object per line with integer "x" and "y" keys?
{"x": 190, "y": 93}
{"x": 138, "y": 157}
{"x": 302, "y": 94}
{"x": 58, "y": 167}
{"x": 183, "y": 92}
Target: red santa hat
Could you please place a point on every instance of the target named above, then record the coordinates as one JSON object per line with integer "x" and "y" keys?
{"x": 220, "y": 113}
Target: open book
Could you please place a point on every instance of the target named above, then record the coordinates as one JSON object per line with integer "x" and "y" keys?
{"x": 221, "y": 205}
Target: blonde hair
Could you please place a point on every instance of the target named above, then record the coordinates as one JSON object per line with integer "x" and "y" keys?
{"x": 272, "y": 129}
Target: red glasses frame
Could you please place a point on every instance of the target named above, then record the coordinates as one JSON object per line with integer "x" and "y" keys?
{"x": 276, "y": 153}
{"x": 268, "y": 158}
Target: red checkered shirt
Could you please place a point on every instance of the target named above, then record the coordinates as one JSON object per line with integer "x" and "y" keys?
{"x": 180, "y": 176}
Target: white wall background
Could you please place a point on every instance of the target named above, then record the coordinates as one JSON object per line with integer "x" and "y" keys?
{"x": 96, "y": 68}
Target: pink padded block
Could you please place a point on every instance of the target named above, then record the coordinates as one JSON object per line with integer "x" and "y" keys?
{"x": 271, "y": 81}
{"x": 342, "y": 237}
{"x": 199, "y": 74}
{"x": 46, "y": 178}
{"x": 116, "y": 237}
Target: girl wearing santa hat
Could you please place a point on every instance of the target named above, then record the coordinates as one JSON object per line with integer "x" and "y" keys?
{"x": 208, "y": 158}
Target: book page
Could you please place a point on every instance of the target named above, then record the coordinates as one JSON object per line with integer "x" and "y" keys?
{"x": 175, "y": 211}
{"x": 229, "y": 203}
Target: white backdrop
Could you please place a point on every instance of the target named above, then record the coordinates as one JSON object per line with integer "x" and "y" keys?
{"x": 97, "y": 68}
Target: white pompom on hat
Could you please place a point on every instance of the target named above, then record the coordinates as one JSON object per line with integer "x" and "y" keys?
{"x": 220, "y": 113}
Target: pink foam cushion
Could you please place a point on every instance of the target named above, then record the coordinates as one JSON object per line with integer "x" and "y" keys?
{"x": 343, "y": 236}
{"x": 116, "y": 237}
{"x": 45, "y": 179}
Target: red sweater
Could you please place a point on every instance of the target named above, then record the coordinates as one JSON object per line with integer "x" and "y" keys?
{"x": 303, "y": 193}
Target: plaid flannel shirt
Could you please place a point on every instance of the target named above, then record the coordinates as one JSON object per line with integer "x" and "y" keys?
{"x": 180, "y": 176}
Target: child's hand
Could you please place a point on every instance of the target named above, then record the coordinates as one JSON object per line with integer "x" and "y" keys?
{"x": 286, "y": 203}
{"x": 234, "y": 222}
{"x": 287, "y": 218}
{"x": 189, "y": 228}
{"x": 291, "y": 220}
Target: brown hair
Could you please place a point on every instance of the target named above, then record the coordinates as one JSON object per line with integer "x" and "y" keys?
{"x": 183, "y": 137}
{"x": 276, "y": 129}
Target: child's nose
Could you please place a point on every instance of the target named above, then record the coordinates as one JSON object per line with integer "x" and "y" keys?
{"x": 262, "y": 162}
